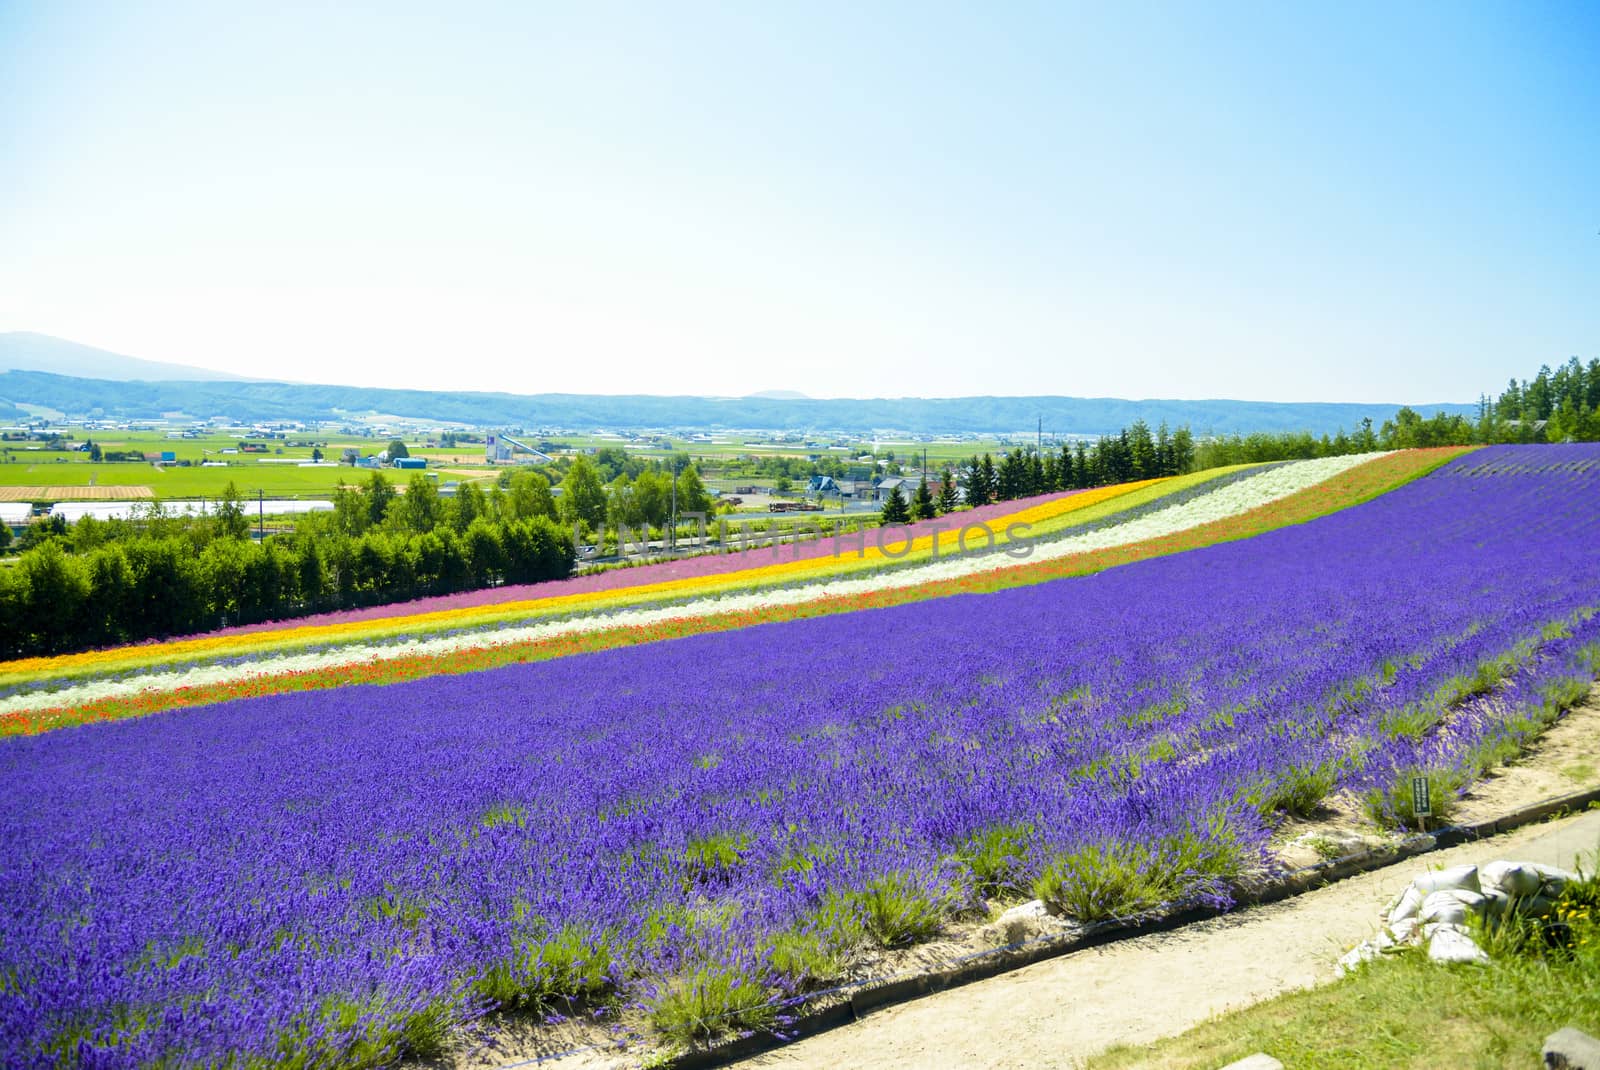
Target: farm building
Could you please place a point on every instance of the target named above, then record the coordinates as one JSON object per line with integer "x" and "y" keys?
{"x": 886, "y": 488}
{"x": 503, "y": 449}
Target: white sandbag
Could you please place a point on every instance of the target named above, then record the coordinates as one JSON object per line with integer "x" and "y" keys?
{"x": 1555, "y": 880}
{"x": 1538, "y": 907}
{"x": 1451, "y": 905}
{"x": 1450, "y": 943}
{"x": 1495, "y": 902}
{"x": 1356, "y": 957}
{"x": 1462, "y": 877}
{"x": 1406, "y": 906}
{"x": 1517, "y": 879}
{"x": 1406, "y": 931}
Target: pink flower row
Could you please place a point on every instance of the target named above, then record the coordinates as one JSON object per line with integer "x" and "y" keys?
{"x": 686, "y": 568}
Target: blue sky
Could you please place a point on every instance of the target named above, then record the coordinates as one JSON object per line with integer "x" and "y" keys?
{"x": 1352, "y": 203}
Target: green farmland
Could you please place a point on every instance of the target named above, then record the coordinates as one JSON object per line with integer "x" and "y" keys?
{"x": 275, "y": 480}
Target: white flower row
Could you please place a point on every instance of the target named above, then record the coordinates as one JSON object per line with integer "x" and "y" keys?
{"x": 1231, "y": 500}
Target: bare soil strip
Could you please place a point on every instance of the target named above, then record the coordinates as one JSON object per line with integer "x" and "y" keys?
{"x": 81, "y": 494}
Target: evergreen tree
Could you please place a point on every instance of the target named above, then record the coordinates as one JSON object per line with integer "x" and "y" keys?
{"x": 922, "y": 507}
{"x": 1010, "y": 481}
{"x": 977, "y": 483}
{"x": 1082, "y": 472}
{"x": 895, "y": 510}
{"x": 948, "y": 496}
{"x": 1141, "y": 451}
{"x": 990, "y": 478}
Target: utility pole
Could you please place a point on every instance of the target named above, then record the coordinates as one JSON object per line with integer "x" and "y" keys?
{"x": 672, "y": 531}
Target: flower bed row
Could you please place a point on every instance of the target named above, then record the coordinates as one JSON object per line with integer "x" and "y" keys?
{"x": 1325, "y": 485}
{"x": 628, "y": 587}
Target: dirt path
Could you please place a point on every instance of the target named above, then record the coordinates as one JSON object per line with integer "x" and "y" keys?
{"x": 1056, "y": 1013}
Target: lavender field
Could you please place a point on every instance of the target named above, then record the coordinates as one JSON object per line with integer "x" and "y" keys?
{"x": 336, "y": 877}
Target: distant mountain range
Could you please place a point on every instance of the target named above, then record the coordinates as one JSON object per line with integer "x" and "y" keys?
{"x": 135, "y": 392}
{"x": 27, "y": 351}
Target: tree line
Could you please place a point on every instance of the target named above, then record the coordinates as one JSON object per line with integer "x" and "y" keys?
{"x": 101, "y": 582}
{"x": 1554, "y": 406}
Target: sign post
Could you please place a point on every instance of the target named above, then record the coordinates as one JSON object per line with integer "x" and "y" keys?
{"x": 1421, "y": 801}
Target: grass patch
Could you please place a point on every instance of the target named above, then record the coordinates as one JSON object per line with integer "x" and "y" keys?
{"x": 1582, "y": 772}
{"x": 1403, "y": 1012}
{"x": 360, "y": 1033}
{"x": 819, "y": 948}
{"x": 504, "y": 814}
{"x": 396, "y": 906}
{"x": 1326, "y": 847}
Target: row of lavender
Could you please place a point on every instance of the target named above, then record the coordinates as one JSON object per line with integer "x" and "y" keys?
{"x": 341, "y": 871}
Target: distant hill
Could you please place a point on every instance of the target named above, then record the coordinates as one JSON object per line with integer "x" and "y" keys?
{"x": 255, "y": 400}
{"x": 28, "y": 351}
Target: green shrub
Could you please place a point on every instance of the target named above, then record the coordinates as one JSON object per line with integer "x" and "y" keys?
{"x": 571, "y": 965}
{"x": 820, "y": 945}
{"x": 715, "y": 855}
{"x": 709, "y": 1002}
{"x": 1122, "y": 880}
{"x": 1299, "y": 791}
{"x": 1391, "y": 804}
{"x": 896, "y": 912}
{"x": 995, "y": 858}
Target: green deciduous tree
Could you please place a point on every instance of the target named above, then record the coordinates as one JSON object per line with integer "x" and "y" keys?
{"x": 231, "y": 522}
{"x": 583, "y": 496}
{"x": 692, "y": 494}
{"x": 420, "y": 509}
{"x": 379, "y": 494}
{"x": 528, "y": 495}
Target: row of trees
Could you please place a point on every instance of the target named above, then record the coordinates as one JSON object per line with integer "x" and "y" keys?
{"x": 1134, "y": 453}
{"x": 102, "y": 582}
{"x": 638, "y": 496}
{"x": 1572, "y": 390}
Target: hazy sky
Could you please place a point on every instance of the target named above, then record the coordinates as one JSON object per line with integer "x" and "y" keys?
{"x": 1278, "y": 201}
